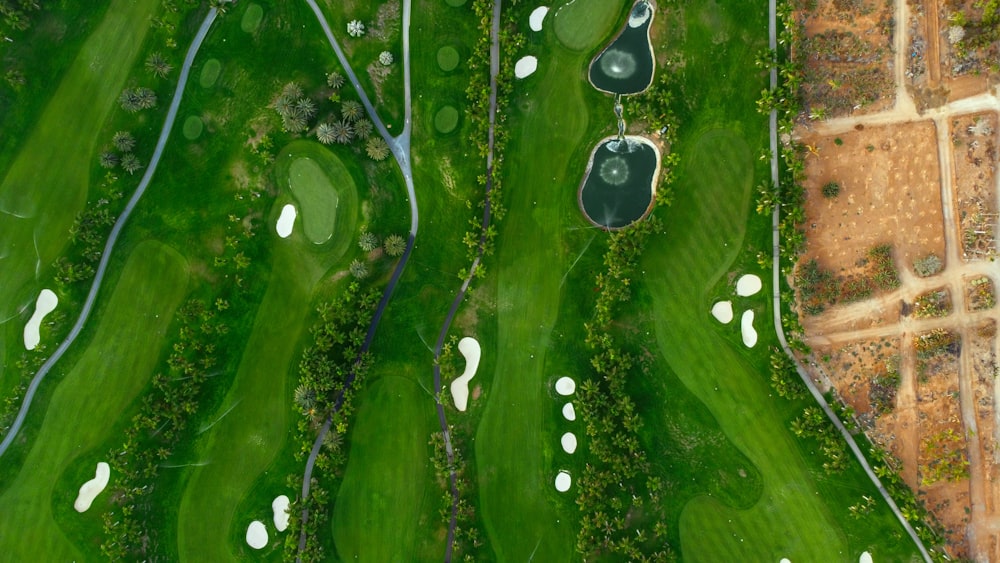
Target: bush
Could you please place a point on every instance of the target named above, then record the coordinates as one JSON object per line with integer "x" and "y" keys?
{"x": 927, "y": 266}
{"x": 831, "y": 190}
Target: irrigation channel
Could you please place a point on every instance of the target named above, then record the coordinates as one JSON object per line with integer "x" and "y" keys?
{"x": 102, "y": 266}
{"x": 776, "y": 297}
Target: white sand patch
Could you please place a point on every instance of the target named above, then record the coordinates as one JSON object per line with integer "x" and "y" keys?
{"x": 45, "y": 304}
{"x": 525, "y": 66}
{"x": 865, "y": 558}
{"x": 536, "y": 18}
{"x": 469, "y": 347}
{"x": 563, "y": 481}
{"x": 280, "y": 508}
{"x": 92, "y": 488}
{"x": 723, "y": 312}
{"x": 568, "y": 441}
{"x": 257, "y": 535}
{"x": 286, "y": 220}
{"x": 785, "y": 560}
{"x": 748, "y": 284}
{"x": 565, "y": 386}
{"x": 569, "y": 413}
{"x": 746, "y": 327}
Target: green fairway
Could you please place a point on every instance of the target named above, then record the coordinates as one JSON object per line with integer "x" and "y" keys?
{"x": 446, "y": 119}
{"x": 447, "y": 58}
{"x": 47, "y": 183}
{"x": 581, "y": 24}
{"x": 116, "y": 365}
{"x": 456, "y": 3}
{"x": 193, "y": 126}
{"x": 210, "y": 73}
{"x": 251, "y": 18}
{"x": 377, "y": 515}
{"x": 321, "y": 185}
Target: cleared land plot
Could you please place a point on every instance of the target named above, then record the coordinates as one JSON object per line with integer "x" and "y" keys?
{"x": 974, "y": 150}
{"x": 117, "y": 364}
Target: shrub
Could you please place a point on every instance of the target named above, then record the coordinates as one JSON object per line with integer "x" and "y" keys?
{"x": 927, "y": 266}
{"x": 831, "y": 190}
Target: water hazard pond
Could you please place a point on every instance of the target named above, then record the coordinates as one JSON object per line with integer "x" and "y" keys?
{"x": 619, "y": 182}
{"x": 626, "y": 65}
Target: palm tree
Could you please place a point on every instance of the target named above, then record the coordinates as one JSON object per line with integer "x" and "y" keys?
{"x": 325, "y": 133}
{"x": 129, "y": 100}
{"x": 130, "y": 163}
{"x": 363, "y": 128}
{"x": 108, "y": 159}
{"x": 358, "y": 269}
{"x": 334, "y": 80}
{"x": 368, "y": 241}
{"x": 305, "y": 398}
{"x": 292, "y": 90}
{"x": 394, "y": 245}
{"x": 305, "y": 108}
{"x": 147, "y": 98}
{"x": 351, "y": 110}
{"x": 158, "y": 66}
{"x": 377, "y": 148}
{"x": 343, "y": 133}
{"x": 293, "y": 124}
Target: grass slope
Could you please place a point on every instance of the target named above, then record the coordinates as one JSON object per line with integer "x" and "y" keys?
{"x": 115, "y": 367}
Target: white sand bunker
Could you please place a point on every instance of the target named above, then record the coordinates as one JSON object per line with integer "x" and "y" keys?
{"x": 45, "y": 304}
{"x": 565, "y": 386}
{"x": 469, "y": 347}
{"x": 286, "y": 220}
{"x": 280, "y": 508}
{"x": 865, "y": 558}
{"x": 525, "y": 66}
{"x": 723, "y": 311}
{"x": 746, "y": 327}
{"x": 748, "y": 285}
{"x": 568, "y": 442}
{"x": 569, "y": 413}
{"x": 563, "y": 481}
{"x": 257, "y": 535}
{"x": 92, "y": 488}
{"x": 536, "y": 17}
{"x": 785, "y": 560}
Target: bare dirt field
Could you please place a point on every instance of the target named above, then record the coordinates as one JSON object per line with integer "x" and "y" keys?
{"x": 974, "y": 148}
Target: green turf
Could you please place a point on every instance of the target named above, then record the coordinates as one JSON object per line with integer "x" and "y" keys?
{"x": 251, "y": 18}
{"x": 116, "y": 365}
{"x": 210, "y": 73}
{"x": 46, "y": 184}
{"x": 193, "y": 126}
{"x": 320, "y": 184}
{"x": 446, "y": 119}
{"x": 375, "y": 519}
{"x": 447, "y": 58}
{"x": 582, "y": 24}
{"x": 456, "y": 3}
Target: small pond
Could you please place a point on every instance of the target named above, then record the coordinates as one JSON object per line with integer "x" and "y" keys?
{"x": 626, "y": 65}
{"x": 619, "y": 183}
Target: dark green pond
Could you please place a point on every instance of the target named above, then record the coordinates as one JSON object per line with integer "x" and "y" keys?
{"x": 618, "y": 186}
{"x": 626, "y": 65}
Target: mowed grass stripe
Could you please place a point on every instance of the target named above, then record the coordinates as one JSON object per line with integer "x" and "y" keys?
{"x": 377, "y": 515}
{"x": 46, "y": 185}
{"x": 115, "y": 367}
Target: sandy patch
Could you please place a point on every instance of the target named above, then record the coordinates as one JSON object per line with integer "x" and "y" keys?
{"x": 746, "y": 327}
{"x": 785, "y": 560}
{"x": 525, "y": 66}
{"x": 723, "y": 312}
{"x": 286, "y": 221}
{"x": 563, "y": 482}
{"x": 568, "y": 441}
{"x": 748, "y": 285}
{"x": 536, "y": 18}
{"x": 280, "y": 508}
{"x": 92, "y": 488}
{"x": 45, "y": 304}
{"x": 565, "y": 386}
{"x": 469, "y": 347}
{"x": 865, "y": 558}
{"x": 569, "y": 413}
{"x": 257, "y": 535}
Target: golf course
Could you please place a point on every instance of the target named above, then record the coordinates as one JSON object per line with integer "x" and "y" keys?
{"x": 349, "y": 207}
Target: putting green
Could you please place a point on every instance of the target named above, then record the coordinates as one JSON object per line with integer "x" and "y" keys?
{"x": 447, "y": 58}
{"x": 446, "y": 119}
{"x": 193, "y": 127}
{"x": 118, "y": 362}
{"x": 321, "y": 185}
{"x": 581, "y": 24}
{"x": 210, "y": 73}
{"x": 251, "y": 18}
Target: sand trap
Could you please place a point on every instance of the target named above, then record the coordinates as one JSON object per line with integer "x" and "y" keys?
{"x": 257, "y": 535}
{"x": 565, "y": 386}
{"x": 568, "y": 442}
{"x": 748, "y": 285}
{"x": 280, "y": 508}
{"x": 286, "y": 220}
{"x": 563, "y": 482}
{"x": 749, "y": 333}
{"x": 785, "y": 560}
{"x": 92, "y": 488}
{"x": 45, "y": 304}
{"x": 723, "y": 312}
{"x": 536, "y": 17}
{"x": 569, "y": 413}
{"x": 469, "y": 347}
{"x": 865, "y": 558}
{"x": 525, "y": 66}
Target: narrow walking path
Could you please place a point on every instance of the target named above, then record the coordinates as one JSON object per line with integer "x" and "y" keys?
{"x": 102, "y": 267}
